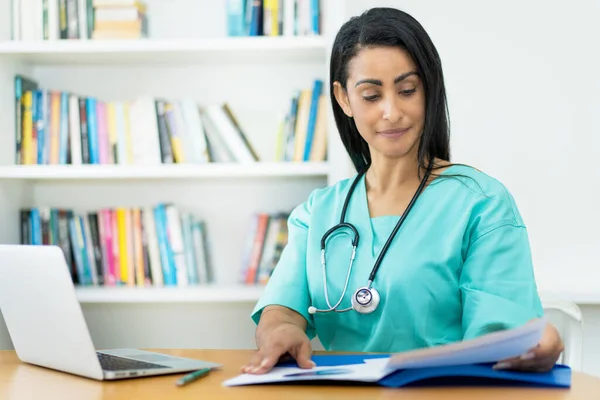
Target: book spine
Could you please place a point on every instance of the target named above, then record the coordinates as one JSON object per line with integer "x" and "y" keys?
{"x": 312, "y": 118}
{"x": 168, "y": 265}
{"x": 72, "y": 19}
{"x": 97, "y": 248}
{"x": 166, "y": 151}
{"x": 102, "y": 259}
{"x": 92, "y": 130}
{"x": 140, "y": 278}
{"x": 76, "y": 242}
{"x": 154, "y": 252}
{"x": 74, "y": 131}
{"x": 123, "y": 250}
{"x": 62, "y": 15}
{"x": 64, "y": 128}
{"x": 112, "y": 133}
{"x": 103, "y": 145}
{"x": 108, "y": 242}
{"x": 41, "y": 105}
{"x": 27, "y": 137}
{"x": 65, "y": 240}
{"x": 116, "y": 258}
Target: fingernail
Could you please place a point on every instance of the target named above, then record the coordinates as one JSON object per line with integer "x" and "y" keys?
{"x": 263, "y": 363}
{"x": 313, "y": 363}
{"x": 528, "y": 356}
{"x": 502, "y": 365}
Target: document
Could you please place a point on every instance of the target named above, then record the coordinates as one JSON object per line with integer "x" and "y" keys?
{"x": 488, "y": 348}
{"x": 492, "y": 347}
{"x": 372, "y": 370}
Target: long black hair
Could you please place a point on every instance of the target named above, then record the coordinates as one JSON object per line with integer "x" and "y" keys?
{"x": 380, "y": 27}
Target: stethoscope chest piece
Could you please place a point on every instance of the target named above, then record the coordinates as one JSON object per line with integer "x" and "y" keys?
{"x": 365, "y": 300}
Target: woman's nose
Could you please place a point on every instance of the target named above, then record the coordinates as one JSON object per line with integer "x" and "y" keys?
{"x": 392, "y": 111}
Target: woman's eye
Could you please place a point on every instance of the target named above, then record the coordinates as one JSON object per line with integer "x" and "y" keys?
{"x": 408, "y": 92}
{"x": 371, "y": 98}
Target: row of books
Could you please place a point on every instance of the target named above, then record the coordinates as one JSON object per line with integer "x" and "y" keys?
{"x": 78, "y": 19}
{"x": 302, "y": 132}
{"x": 150, "y": 246}
{"x": 58, "y": 127}
{"x": 273, "y": 17}
{"x": 267, "y": 236}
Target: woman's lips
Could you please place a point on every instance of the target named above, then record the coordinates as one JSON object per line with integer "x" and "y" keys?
{"x": 393, "y": 133}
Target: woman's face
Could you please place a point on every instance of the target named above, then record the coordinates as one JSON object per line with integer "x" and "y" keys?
{"x": 385, "y": 96}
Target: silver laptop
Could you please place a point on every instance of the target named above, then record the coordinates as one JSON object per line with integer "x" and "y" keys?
{"x": 47, "y": 327}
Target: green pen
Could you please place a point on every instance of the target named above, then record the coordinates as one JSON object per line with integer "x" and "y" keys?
{"x": 193, "y": 376}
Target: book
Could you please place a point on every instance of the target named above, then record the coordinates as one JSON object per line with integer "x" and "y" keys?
{"x": 469, "y": 362}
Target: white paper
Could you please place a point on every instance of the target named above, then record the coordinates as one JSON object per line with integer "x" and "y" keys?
{"x": 489, "y": 348}
{"x": 371, "y": 371}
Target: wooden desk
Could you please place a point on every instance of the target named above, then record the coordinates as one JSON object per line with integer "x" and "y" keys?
{"x": 22, "y": 381}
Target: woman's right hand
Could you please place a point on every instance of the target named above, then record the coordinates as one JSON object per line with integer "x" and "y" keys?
{"x": 282, "y": 340}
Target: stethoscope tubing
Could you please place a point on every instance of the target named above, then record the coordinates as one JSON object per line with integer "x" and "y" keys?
{"x": 374, "y": 295}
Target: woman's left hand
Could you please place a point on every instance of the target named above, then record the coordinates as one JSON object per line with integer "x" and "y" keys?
{"x": 539, "y": 359}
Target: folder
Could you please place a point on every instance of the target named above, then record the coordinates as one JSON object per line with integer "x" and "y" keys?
{"x": 463, "y": 375}
{"x": 350, "y": 368}
{"x": 467, "y": 363}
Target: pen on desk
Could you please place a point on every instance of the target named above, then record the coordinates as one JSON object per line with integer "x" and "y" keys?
{"x": 192, "y": 376}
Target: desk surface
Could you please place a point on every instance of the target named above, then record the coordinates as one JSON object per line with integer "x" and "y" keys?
{"x": 23, "y": 381}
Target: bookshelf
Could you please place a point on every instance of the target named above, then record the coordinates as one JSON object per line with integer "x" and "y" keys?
{"x": 166, "y": 51}
{"x": 174, "y": 171}
{"x": 188, "y": 55}
{"x": 256, "y": 75}
{"x": 208, "y": 294}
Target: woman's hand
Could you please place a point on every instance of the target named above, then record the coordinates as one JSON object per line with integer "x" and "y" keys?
{"x": 281, "y": 332}
{"x": 282, "y": 340}
{"x": 539, "y": 359}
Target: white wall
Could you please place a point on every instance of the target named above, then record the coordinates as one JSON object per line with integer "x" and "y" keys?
{"x": 522, "y": 82}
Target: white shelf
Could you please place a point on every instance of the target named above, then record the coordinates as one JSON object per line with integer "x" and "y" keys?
{"x": 190, "y": 294}
{"x": 172, "y": 51}
{"x": 165, "y": 171}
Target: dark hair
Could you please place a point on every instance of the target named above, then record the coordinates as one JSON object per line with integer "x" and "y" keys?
{"x": 380, "y": 27}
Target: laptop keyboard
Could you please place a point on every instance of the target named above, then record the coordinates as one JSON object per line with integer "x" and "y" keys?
{"x": 114, "y": 363}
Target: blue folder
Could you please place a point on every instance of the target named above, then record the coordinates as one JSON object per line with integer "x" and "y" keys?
{"x": 463, "y": 375}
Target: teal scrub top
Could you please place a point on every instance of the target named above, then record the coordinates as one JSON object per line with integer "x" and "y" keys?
{"x": 459, "y": 267}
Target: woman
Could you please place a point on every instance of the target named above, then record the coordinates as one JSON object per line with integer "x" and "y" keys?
{"x": 447, "y": 243}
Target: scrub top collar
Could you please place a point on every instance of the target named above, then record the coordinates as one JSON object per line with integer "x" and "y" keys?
{"x": 359, "y": 215}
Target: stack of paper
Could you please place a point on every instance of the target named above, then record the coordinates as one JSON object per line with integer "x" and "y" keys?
{"x": 472, "y": 359}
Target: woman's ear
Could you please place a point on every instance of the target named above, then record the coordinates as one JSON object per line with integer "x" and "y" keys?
{"x": 342, "y": 98}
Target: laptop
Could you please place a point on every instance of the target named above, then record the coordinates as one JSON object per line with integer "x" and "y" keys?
{"x": 47, "y": 326}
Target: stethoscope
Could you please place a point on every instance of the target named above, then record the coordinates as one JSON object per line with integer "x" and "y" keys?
{"x": 365, "y": 299}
